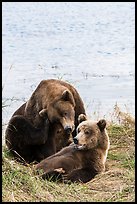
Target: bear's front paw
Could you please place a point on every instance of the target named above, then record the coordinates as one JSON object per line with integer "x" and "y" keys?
{"x": 60, "y": 170}
{"x": 43, "y": 113}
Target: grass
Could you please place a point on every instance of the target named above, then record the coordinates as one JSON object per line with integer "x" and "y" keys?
{"x": 116, "y": 184}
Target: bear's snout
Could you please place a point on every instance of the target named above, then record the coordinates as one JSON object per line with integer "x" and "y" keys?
{"x": 68, "y": 129}
{"x": 75, "y": 140}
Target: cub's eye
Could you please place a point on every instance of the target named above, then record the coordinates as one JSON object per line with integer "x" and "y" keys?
{"x": 87, "y": 132}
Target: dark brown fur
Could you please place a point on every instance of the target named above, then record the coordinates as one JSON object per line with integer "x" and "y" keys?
{"x": 43, "y": 125}
{"x": 84, "y": 159}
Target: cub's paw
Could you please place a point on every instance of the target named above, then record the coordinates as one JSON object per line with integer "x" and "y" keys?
{"x": 55, "y": 175}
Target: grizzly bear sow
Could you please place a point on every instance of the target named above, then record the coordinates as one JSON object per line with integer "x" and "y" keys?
{"x": 43, "y": 125}
{"x": 84, "y": 158}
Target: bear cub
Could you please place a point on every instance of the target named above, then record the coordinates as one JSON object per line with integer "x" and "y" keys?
{"x": 82, "y": 159}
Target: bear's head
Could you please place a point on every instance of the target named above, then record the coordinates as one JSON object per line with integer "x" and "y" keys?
{"x": 91, "y": 134}
{"x": 61, "y": 110}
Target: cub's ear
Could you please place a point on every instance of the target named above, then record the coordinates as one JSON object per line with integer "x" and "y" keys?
{"x": 43, "y": 113}
{"x": 101, "y": 124}
{"x": 81, "y": 118}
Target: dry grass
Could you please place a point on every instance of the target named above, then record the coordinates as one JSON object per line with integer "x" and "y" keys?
{"x": 19, "y": 183}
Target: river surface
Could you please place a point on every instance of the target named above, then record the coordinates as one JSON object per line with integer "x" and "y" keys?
{"x": 89, "y": 44}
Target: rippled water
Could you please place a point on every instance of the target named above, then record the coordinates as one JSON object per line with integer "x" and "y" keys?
{"x": 89, "y": 44}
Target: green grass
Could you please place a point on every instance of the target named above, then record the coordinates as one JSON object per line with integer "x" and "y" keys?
{"x": 116, "y": 184}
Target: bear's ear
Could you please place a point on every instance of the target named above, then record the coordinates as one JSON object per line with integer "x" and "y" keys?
{"x": 81, "y": 118}
{"x": 43, "y": 113}
{"x": 66, "y": 96}
{"x": 101, "y": 124}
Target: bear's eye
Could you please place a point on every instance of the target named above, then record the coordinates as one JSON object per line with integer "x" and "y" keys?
{"x": 65, "y": 113}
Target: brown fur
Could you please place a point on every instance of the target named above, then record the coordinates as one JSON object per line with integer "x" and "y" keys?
{"x": 84, "y": 158}
{"x": 43, "y": 125}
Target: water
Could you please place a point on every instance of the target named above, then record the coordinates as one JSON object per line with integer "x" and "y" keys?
{"x": 89, "y": 44}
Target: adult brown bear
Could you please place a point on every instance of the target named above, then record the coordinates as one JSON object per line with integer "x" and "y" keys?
{"x": 38, "y": 128}
{"x": 84, "y": 158}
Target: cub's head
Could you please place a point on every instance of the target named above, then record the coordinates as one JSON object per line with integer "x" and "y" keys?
{"x": 91, "y": 134}
{"x": 61, "y": 110}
